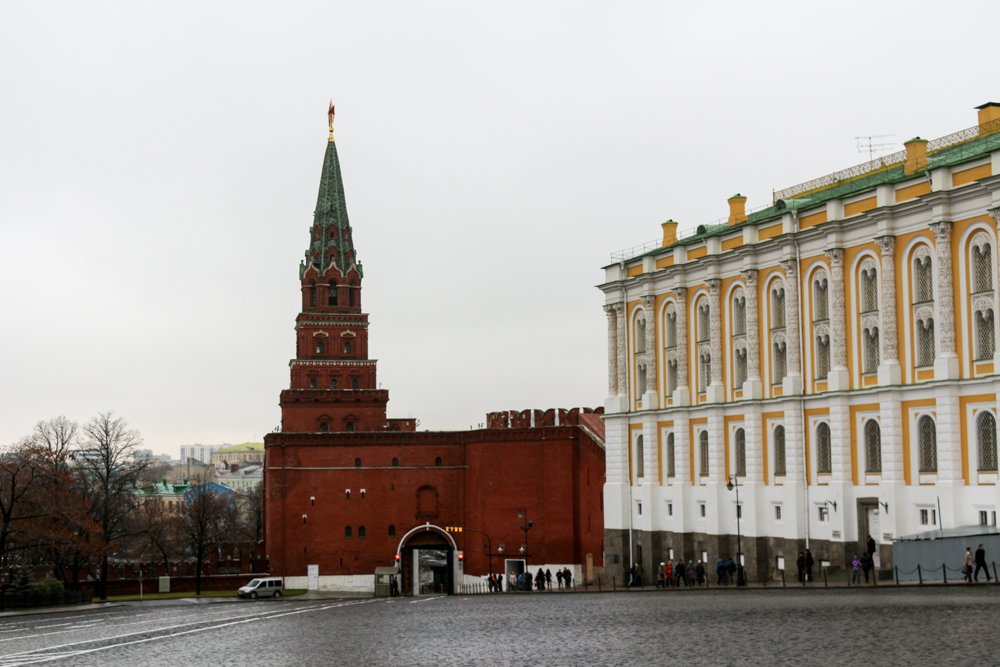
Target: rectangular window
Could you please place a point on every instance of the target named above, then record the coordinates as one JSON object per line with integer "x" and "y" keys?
{"x": 983, "y": 517}
{"x": 704, "y": 556}
{"x": 924, "y": 517}
{"x": 933, "y": 517}
{"x": 702, "y": 506}
{"x": 777, "y": 512}
{"x": 670, "y": 554}
{"x": 670, "y": 509}
{"x": 640, "y": 509}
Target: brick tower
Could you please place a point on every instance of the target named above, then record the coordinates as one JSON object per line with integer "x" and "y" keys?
{"x": 333, "y": 386}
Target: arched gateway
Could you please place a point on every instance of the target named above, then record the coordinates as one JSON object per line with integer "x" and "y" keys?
{"x": 428, "y": 561}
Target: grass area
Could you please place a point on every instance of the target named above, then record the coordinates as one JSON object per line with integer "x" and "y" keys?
{"x": 190, "y": 594}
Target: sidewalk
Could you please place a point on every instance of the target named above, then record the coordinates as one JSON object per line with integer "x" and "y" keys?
{"x": 93, "y": 606}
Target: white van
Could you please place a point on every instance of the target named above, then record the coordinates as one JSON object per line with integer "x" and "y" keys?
{"x": 264, "y": 587}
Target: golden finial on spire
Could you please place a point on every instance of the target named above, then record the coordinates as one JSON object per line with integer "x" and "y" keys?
{"x": 330, "y": 115}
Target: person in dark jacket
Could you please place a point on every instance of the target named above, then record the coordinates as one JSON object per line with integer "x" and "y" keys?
{"x": 800, "y": 563}
{"x": 548, "y": 579}
{"x": 559, "y": 578}
{"x": 731, "y": 570}
{"x": 679, "y": 573}
{"x": 720, "y": 572}
{"x": 981, "y": 562}
{"x": 866, "y": 564}
{"x": 567, "y": 577}
{"x": 699, "y": 571}
{"x": 540, "y": 580}
{"x": 809, "y": 566}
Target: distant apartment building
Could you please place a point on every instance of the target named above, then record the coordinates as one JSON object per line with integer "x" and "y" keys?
{"x": 201, "y": 453}
{"x": 236, "y": 454}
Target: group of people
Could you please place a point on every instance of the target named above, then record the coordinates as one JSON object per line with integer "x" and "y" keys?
{"x": 805, "y": 564}
{"x": 978, "y": 561}
{"x": 675, "y": 575}
{"x": 862, "y": 564}
{"x": 540, "y": 581}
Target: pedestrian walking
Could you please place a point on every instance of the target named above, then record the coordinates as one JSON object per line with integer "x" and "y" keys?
{"x": 559, "y": 578}
{"x": 678, "y": 573}
{"x": 870, "y": 545}
{"x": 689, "y": 573}
{"x": 969, "y": 562}
{"x": 661, "y": 576}
{"x": 731, "y": 570}
{"x": 568, "y": 578}
{"x": 540, "y": 580}
{"x": 548, "y": 579}
{"x": 866, "y": 564}
{"x": 700, "y": 572}
{"x": 981, "y": 562}
{"x": 720, "y": 572}
{"x": 856, "y": 578}
{"x": 800, "y": 563}
{"x": 809, "y": 566}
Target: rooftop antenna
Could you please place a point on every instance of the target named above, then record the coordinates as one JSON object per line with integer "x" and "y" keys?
{"x": 872, "y": 145}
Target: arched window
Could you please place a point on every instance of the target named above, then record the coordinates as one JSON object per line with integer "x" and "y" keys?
{"x": 821, "y": 318}
{"x": 923, "y": 306}
{"x": 741, "y": 453}
{"x": 703, "y": 453}
{"x": 347, "y": 533}
{"x": 670, "y": 327}
{"x": 640, "y": 464}
{"x": 312, "y": 294}
{"x": 779, "y": 450}
{"x": 333, "y": 383}
{"x": 739, "y": 338}
{"x": 392, "y": 531}
{"x": 333, "y": 233}
{"x": 347, "y": 347}
{"x": 640, "y": 333}
{"x": 868, "y": 295}
{"x": 778, "y": 349}
{"x": 312, "y": 383}
{"x": 351, "y": 297}
{"x": 671, "y": 469}
{"x": 324, "y": 427}
{"x": 437, "y": 461}
{"x": 357, "y": 463}
{"x": 981, "y": 284}
{"x": 704, "y": 345}
{"x": 395, "y": 463}
{"x": 873, "y": 447}
{"x": 331, "y": 295}
{"x": 354, "y": 383}
{"x": 927, "y": 433}
{"x": 349, "y": 427}
{"x": 824, "y": 460}
{"x": 361, "y": 532}
{"x": 986, "y": 432}
{"x": 320, "y": 347}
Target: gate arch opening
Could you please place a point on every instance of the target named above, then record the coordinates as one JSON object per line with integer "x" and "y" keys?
{"x": 427, "y": 561}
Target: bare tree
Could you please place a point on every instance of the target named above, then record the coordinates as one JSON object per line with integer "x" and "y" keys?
{"x": 203, "y": 524}
{"x": 252, "y": 516}
{"x": 108, "y": 465}
{"x": 158, "y": 532}
{"x": 58, "y": 434}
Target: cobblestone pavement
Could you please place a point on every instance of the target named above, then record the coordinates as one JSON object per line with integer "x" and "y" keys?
{"x": 906, "y": 626}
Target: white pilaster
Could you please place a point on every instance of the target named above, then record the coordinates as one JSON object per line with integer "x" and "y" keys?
{"x": 792, "y": 382}
{"x": 753, "y": 387}
{"x": 682, "y": 394}
{"x": 946, "y": 360}
{"x": 715, "y": 392}
{"x": 889, "y": 370}
{"x": 839, "y": 377}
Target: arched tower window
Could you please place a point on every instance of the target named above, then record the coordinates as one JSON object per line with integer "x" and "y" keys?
{"x": 640, "y": 333}
{"x": 320, "y": 347}
{"x": 986, "y": 434}
{"x": 347, "y": 533}
{"x": 981, "y": 282}
{"x": 357, "y": 463}
{"x": 739, "y": 337}
{"x": 361, "y": 532}
{"x": 927, "y": 433}
{"x": 868, "y": 288}
{"x": 331, "y": 295}
{"x": 392, "y": 530}
{"x": 312, "y": 294}
{"x": 824, "y": 460}
{"x": 640, "y": 458}
{"x": 347, "y": 347}
{"x": 703, "y": 453}
{"x": 873, "y": 447}
{"x": 923, "y": 306}
{"x": 671, "y": 468}
{"x": 779, "y": 450}
{"x": 741, "y": 452}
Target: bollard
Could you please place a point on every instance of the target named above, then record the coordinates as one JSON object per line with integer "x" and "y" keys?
{"x": 783, "y": 578}
{"x": 944, "y": 573}
{"x": 875, "y": 576}
{"x": 895, "y": 571}
{"x": 994, "y": 563}
{"x": 598, "y": 583}
{"x": 824, "y": 578}
{"x": 920, "y": 575}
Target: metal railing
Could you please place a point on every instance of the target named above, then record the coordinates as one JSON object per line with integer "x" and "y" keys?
{"x": 887, "y": 161}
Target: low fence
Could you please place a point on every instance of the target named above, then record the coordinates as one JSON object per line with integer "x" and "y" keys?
{"x": 824, "y": 576}
{"x": 9, "y": 601}
{"x": 187, "y": 584}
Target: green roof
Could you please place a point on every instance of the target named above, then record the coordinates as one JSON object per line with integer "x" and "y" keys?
{"x": 245, "y": 447}
{"x": 331, "y": 230}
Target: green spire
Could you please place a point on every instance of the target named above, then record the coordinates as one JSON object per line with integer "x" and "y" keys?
{"x": 332, "y": 237}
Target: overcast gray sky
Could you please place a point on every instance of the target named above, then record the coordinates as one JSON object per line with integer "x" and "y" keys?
{"x": 159, "y": 164}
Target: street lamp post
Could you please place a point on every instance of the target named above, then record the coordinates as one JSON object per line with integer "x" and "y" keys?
{"x": 522, "y": 513}
{"x": 734, "y": 483}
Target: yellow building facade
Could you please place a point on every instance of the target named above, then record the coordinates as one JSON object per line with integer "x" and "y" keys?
{"x": 833, "y": 356}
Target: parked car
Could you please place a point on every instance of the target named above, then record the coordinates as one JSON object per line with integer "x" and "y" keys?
{"x": 264, "y": 587}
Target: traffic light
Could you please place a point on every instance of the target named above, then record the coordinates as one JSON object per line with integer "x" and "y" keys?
{"x": 397, "y": 558}
{"x": 461, "y": 555}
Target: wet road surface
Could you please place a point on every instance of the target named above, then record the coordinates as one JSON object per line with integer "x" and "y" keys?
{"x": 751, "y": 627}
